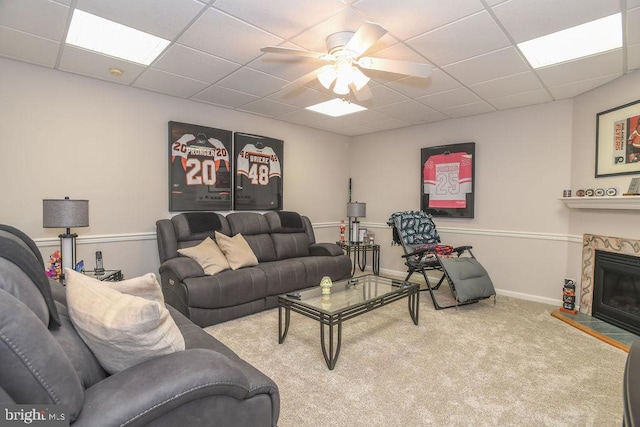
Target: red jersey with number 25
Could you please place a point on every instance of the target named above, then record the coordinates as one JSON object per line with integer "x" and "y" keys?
{"x": 447, "y": 180}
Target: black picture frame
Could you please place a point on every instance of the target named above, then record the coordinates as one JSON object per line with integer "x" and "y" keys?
{"x": 200, "y": 168}
{"x": 447, "y": 177}
{"x": 618, "y": 141}
{"x": 258, "y": 172}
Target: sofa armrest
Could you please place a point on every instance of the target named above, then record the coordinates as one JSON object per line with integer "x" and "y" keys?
{"x": 152, "y": 389}
{"x": 325, "y": 249}
{"x": 631, "y": 387}
{"x": 182, "y": 268}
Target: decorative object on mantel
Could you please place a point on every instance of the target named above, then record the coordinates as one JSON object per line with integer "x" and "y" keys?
{"x": 612, "y": 192}
{"x": 618, "y": 141}
{"x": 634, "y": 188}
{"x": 580, "y": 193}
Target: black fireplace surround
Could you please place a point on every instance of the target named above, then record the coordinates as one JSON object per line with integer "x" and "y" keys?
{"x": 616, "y": 292}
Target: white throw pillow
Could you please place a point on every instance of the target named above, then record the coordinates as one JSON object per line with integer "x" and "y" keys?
{"x": 237, "y": 251}
{"x": 121, "y": 329}
{"x": 208, "y": 255}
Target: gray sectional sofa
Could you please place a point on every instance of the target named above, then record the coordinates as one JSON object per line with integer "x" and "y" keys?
{"x": 44, "y": 361}
{"x": 283, "y": 242}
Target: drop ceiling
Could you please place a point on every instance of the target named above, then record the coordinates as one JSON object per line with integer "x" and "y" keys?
{"x": 215, "y": 58}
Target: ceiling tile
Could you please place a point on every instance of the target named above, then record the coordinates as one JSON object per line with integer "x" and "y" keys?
{"x": 194, "y": 64}
{"x": 38, "y": 17}
{"x": 450, "y": 98}
{"x": 633, "y": 26}
{"x": 80, "y": 61}
{"x": 25, "y": 47}
{"x": 252, "y": 81}
{"x": 521, "y": 99}
{"x": 268, "y": 14}
{"x": 405, "y": 108}
{"x": 528, "y": 19}
{"x": 300, "y": 97}
{"x": 162, "y": 18}
{"x": 302, "y": 117}
{"x": 633, "y": 57}
{"x": 415, "y": 17}
{"x": 506, "y": 86}
{"x": 224, "y": 97}
{"x": 466, "y": 38}
{"x": 415, "y": 87}
{"x": 382, "y": 96}
{"x": 235, "y": 40}
{"x": 490, "y": 66}
{"x": 576, "y": 88}
{"x": 172, "y": 84}
{"x": 594, "y": 66}
{"x": 425, "y": 117}
{"x": 468, "y": 109}
{"x": 391, "y": 123}
{"x": 267, "y": 107}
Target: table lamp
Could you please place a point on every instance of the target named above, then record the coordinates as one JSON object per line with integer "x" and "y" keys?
{"x": 66, "y": 213}
{"x": 355, "y": 210}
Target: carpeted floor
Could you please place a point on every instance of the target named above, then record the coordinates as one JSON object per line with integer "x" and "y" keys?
{"x": 504, "y": 365}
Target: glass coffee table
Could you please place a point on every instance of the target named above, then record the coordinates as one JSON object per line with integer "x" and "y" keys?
{"x": 348, "y": 299}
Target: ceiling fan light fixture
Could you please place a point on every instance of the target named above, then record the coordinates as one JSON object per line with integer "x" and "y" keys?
{"x": 327, "y": 75}
{"x": 358, "y": 78}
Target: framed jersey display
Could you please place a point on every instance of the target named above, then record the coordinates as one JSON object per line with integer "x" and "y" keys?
{"x": 447, "y": 177}
{"x": 200, "y": 168}
{"x": 618, "y": 141}
{"x": 258, "y": 172}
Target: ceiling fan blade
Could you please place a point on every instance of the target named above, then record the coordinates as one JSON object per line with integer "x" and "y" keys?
{"x": 365, "y": 37}
{"x": 363, "y": 94}
{"x": 398, "y": 67}
{"x": 298, "y": 52}
{"x": 301, "y": 81}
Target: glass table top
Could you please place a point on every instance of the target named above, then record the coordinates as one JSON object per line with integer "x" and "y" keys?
{"x": 349, "y": 293}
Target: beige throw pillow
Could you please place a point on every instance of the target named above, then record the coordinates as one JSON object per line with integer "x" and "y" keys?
{"x": 122, "y": 329}
{"x": 237, "y": 251}
{"x": 208, "y": 255}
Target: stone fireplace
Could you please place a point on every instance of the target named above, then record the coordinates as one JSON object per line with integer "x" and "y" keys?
{"x": 610, "y": 282}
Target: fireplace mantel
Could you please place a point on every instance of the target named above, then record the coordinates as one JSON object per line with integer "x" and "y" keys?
{"x": 615, "y": 202}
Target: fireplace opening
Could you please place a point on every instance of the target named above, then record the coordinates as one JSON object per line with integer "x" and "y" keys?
{"x": 616, "y": 292}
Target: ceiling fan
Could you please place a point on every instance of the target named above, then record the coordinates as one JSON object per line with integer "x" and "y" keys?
{"x": 344, "y": 71}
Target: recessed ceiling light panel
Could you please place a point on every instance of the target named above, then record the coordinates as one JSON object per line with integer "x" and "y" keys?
{"x": 336, "y": 107}
{"x": 583, "y": 40}
{"x": 101, "y": 35}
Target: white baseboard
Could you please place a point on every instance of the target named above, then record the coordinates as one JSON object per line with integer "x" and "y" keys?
{"x": 512, "y": 294}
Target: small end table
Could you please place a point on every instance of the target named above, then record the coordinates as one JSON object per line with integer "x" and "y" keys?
{"x": 359, "y": 252}
{"x": 106, "y": 275}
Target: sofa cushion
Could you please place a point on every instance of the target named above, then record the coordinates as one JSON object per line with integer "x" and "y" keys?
{"x": 208, "y": 255}
{"x": 121, "y": 329}
{"x": 226, "y": 289}
{"x": 236, "y": 250}
{"x": 256, "y": 231}
{"x": 26, "y": 275}
{"x": 292, "y": 245}
{"x": 35, "y": 369}
{"x": 199, "y": 225}
{"x": 284, "y": 222}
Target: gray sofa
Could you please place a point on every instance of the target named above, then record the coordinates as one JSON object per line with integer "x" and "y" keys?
{"x": 284, "y": 243}
{"x": 631, "y": 387}
{"x": 43, "y": 361}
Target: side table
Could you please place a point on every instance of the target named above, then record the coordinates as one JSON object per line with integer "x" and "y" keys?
{"x": 106, "y": 275}
{"x": 359, "y": 251}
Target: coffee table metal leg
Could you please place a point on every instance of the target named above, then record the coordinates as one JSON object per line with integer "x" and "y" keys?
{"x": 331, "y": 357}
{"x": 414, "y": 306}
{"x": 287, "y": 317}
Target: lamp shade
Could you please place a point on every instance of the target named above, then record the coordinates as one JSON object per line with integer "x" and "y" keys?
{"x": 65, "y": 213}
{"x": 357, "y": 210}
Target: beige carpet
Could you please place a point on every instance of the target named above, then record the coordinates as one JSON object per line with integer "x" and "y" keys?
{"x": 504, "y": 365}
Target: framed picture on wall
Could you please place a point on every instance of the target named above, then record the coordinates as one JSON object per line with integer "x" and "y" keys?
{"x": 618, "y": 141}
{"x": 447, "y": 180}
{"x": 200, "y": 167}
{"x": 258, "y": 172}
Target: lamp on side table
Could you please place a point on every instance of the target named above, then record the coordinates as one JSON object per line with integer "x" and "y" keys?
{"x": 66, "y": 213}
